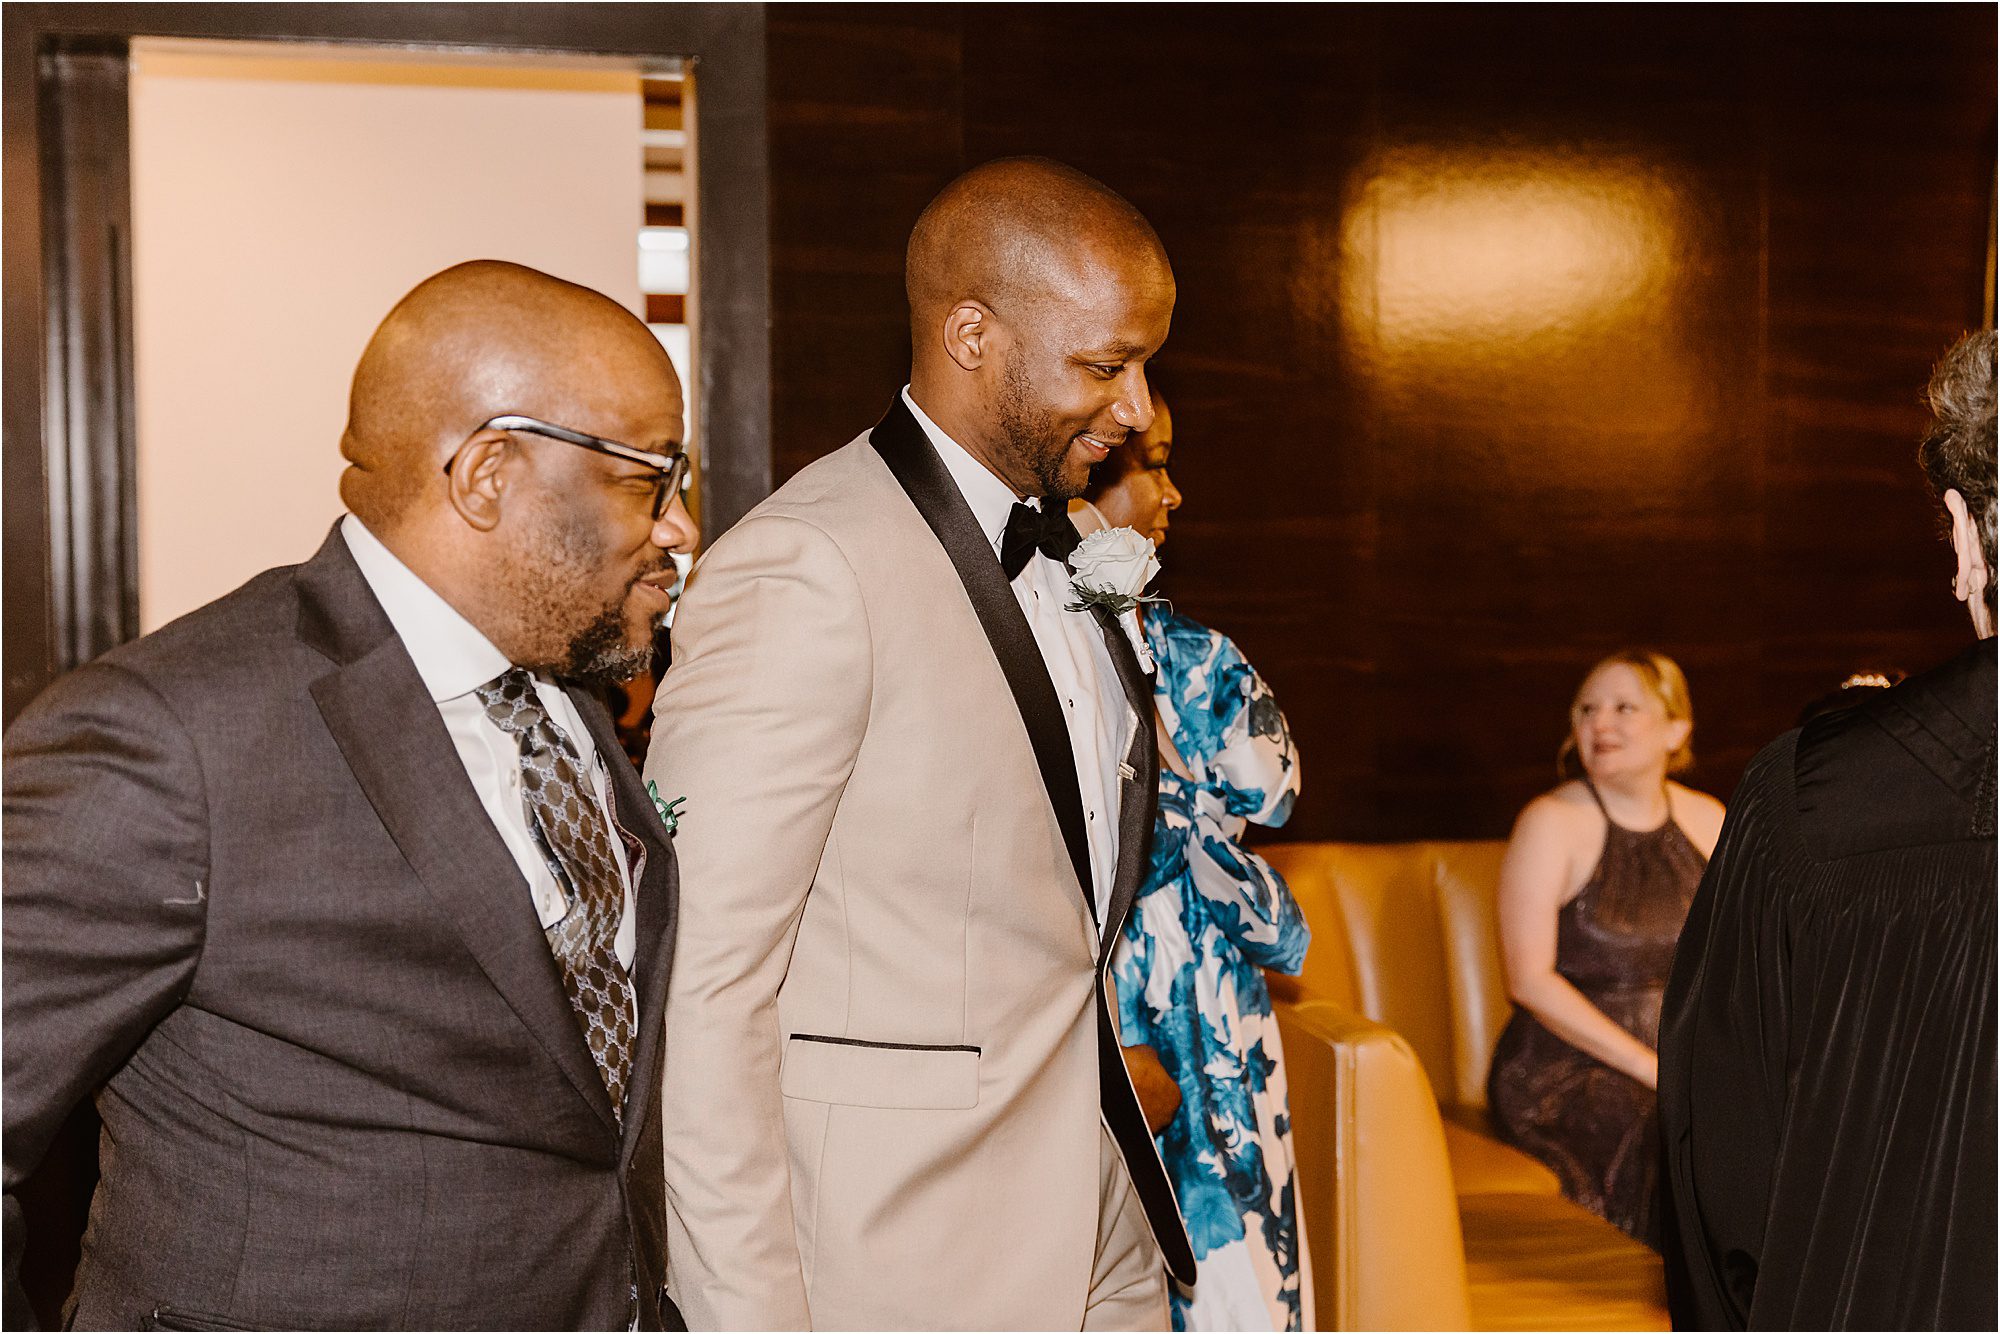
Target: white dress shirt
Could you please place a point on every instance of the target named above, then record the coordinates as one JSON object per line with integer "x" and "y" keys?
{"x": 454, "y": 659}
{"x": 1073, "y": 648}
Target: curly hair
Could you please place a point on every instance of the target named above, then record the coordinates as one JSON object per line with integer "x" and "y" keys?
{"x": 1957, "y": 453}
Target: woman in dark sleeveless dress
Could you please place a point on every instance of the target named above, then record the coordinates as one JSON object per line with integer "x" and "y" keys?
{"x": 1596, "y": 883}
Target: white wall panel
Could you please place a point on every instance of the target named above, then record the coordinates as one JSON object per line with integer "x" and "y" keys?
{"x": 283, "y": 199}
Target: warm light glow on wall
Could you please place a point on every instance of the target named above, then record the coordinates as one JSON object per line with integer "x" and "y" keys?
{"x": 1442, "y": 248}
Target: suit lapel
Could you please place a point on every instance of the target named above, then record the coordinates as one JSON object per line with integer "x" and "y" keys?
{"x": 655, "y": 901}
{"x": 922, "y": 474}
{"x": 382, "y": 718}
{"x": 1138, "y": 802}
{"x": 1138, "y": 793}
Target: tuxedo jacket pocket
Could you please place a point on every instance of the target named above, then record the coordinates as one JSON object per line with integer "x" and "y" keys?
{"x": 854, "y": 1072}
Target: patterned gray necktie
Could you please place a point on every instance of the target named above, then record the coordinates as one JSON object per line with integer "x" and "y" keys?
{"x": 564, "y": 812}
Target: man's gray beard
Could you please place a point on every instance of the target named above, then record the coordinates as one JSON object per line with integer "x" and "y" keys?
{"x": 599, "y": 656}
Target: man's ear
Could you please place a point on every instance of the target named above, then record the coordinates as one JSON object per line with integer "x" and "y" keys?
{"x": 476, "y": 477}
{"x": 1969, "y": 583}
{"x": 969, "y": 332}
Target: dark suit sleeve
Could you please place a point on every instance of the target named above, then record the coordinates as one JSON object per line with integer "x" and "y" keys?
{"x": 106, "y": 900}
{"x": 1724, "y": 1027}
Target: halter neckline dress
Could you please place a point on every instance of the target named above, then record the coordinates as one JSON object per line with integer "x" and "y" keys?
{"x": 1598, "y": 1128}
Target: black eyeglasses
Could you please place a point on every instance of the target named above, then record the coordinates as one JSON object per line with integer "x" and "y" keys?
{"x": 673, "y": 468}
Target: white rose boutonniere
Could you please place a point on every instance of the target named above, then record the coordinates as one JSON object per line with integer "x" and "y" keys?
{"x": 1110, "y": 569}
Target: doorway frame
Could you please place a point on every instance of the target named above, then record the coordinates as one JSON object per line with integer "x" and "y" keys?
{"x": 68, "y": 473}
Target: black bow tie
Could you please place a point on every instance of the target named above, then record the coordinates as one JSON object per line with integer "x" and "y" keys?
{"x": 1030, "y": 530}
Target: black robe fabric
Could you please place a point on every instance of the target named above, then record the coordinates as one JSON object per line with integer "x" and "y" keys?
{"x": 1827, "y": 1070}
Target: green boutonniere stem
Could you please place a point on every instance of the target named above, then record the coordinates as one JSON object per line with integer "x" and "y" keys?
{"x": 670, "y": 814}
{"x": 1115, "y": 603}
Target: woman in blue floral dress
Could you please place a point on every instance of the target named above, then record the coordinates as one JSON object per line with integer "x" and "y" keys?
{"x": 1210, "y": 917}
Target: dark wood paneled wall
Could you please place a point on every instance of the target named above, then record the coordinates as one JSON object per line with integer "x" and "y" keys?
{"x": 1507, "y": 335}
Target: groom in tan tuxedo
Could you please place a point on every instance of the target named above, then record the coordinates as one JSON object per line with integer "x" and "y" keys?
{"x": 920, "y": 798}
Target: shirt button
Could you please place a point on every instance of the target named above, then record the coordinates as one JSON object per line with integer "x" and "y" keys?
{"x": 1070, "y": 702}
{"x": 1093, "y": 814}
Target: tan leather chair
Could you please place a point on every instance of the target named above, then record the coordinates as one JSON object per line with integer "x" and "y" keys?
{"x": 1375, "y": 929}
{"x": 1378, "y": 949}
{"x": 1407, "y": 935}
{"x": 1382, "y": 1230}
{"x": 1466, "y": 876}
{"x": 1390, "y": 1242}
{"x": 1540, "y": 1262}
{"x": 1311, "y": 870}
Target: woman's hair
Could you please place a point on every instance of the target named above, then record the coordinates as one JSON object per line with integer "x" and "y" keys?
{"x": 1856, "y": 688}
{"x": 1663, "y": 678}
{"x": 1957, "y": 453}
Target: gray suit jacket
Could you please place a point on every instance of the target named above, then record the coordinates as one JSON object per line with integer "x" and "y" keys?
{"x": 253, "y": 904}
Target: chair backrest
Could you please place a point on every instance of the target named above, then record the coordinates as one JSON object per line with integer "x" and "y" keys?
{"x": 1328, "y": 974}
{"x": 1376, "y": 946}
{"x": 1376, "y": 1200}
{"x": 1467, "y": 877}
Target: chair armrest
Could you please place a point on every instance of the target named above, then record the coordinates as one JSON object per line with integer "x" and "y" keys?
{"x": 1376, "y": 1200}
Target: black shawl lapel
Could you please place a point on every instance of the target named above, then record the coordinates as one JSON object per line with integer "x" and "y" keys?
{"x": 916, "y": 466}
{"x": 1138, "y": 803}
{"x": 1138, "y": 793}
{"x": 922, "y": 474}
{"x": 655, "y": 900}
{"x": 381, "y": 716}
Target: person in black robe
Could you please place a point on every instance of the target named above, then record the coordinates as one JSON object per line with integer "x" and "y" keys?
{"x": 1827, "y": 1070}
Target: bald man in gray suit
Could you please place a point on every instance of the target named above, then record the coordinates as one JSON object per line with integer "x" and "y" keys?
{"x": 338, "y": 894}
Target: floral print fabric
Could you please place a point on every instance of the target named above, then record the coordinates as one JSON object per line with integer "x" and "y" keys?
{"x": 1209, "y": 918}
